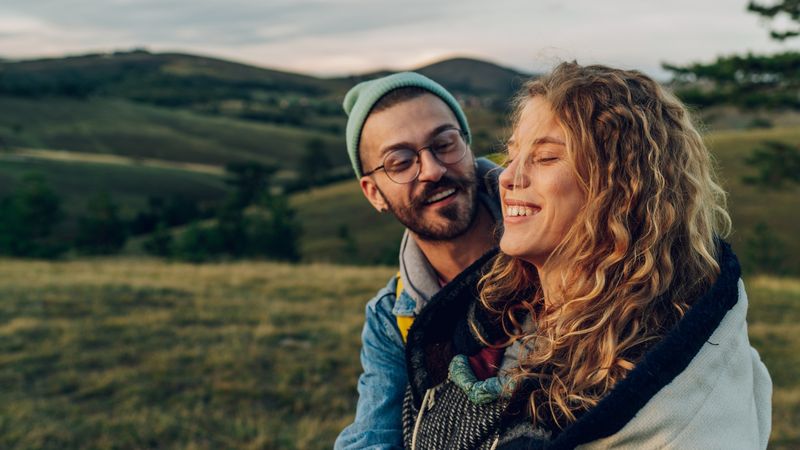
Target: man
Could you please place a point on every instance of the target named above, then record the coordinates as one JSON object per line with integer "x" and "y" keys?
{"x": 408, "y": 141}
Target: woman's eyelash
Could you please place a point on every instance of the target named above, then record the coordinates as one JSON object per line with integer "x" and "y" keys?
{"x": 541, "y": 159}
{"x": 509, "y": 161}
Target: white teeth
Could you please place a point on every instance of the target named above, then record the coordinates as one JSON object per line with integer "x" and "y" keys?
{"x": 515, "y": 211}
{"x": 440, "y": 195}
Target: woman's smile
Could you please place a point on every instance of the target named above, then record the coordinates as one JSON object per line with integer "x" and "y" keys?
{"x": 516, "y": 211}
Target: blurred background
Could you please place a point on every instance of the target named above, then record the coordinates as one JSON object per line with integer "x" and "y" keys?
{"x": 185, "y": 255}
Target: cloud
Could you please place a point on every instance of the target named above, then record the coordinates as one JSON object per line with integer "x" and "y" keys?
{"x": 233, "y": 22}
{"x": 345, "y": 36}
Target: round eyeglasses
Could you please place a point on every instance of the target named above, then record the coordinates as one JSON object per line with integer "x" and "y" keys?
{"x": 403, "y": 165}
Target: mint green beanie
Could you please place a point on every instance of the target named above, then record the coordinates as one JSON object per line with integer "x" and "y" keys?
{"x": 362, "y": 97}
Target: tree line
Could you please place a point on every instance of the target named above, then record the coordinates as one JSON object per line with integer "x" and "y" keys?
{"x": 750, "y": 81}
{"x": 254, "y": 221}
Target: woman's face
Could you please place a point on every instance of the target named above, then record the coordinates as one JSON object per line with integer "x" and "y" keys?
{"x": 539, "y": 191}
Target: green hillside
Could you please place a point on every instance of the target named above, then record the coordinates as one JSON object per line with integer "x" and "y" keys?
{"x": 133, "y": 354}
{"x": 122, "y": 127}
{"x": 167, "y": 78}
{"x": 162, "y": 112}
{"x": 331, "y": 214}
{"x": 749, "y": 205}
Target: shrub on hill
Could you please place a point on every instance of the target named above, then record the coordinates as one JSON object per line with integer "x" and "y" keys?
{"x": 274, "y": 232}
{"x": 101, "y": 231}
{"x": 777, "y": 163}
{"x": 28, "y": 218}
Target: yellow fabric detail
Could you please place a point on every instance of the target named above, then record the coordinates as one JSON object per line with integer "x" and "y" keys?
{"x": 403, "y": 322}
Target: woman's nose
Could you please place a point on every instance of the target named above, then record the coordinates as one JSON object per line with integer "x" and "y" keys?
{"x": 513, "y": 178}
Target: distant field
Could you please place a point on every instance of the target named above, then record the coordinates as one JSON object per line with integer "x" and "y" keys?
{"x": 132, "y": 354}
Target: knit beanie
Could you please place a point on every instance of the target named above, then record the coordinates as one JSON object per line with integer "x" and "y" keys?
{"x": 362, "y": 97}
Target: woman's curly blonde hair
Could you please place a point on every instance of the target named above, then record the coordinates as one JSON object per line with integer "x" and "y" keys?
{"x": 640, "y": 250}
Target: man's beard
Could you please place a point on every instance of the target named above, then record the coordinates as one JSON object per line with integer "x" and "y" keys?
{"x": 458, "y": 218}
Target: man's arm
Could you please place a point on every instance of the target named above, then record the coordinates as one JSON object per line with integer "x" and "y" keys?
{"x": 378, "y": 422}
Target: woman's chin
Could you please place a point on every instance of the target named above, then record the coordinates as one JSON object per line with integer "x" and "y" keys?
{"x": 514, "y": 248}
{"x": 523, "y": 251}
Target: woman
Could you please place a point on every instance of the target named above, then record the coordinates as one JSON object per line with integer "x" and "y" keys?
{"x": 620, "y": 306}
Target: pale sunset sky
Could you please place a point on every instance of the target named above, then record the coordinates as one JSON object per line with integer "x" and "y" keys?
{"x": 327, "y": 38}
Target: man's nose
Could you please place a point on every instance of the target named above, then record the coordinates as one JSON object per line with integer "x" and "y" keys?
{"x": 431, "y": 168}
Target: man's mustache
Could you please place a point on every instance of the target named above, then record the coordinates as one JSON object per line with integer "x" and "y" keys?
{"x": 444, "y": 183}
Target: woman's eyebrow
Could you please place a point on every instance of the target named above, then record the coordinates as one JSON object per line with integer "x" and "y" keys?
{"x": 549, "y": 140}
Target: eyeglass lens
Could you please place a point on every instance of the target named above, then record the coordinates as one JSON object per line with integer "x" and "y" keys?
{"x": 402, "y": 165}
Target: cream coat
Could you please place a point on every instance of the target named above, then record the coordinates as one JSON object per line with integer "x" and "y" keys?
{"x": 722, "y": 400}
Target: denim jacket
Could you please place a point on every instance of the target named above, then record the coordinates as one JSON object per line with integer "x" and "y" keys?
{"x": 383, "y": 380}
{"x": 382, "y": 383}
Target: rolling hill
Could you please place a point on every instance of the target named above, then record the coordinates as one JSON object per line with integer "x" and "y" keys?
{"x": 463, "y": 77}
{"x": 179, "y": 119}
{"x": 190, "y": 108}
{"x": 475, "y": 77}
{"x": 180, "y": 110}
{"x": 115, "y": 126}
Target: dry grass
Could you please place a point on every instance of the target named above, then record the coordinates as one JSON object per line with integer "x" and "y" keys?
{"x": 774, "y": 326}
{"x": 137, "y": 353}
{"x": 145, "y": 354}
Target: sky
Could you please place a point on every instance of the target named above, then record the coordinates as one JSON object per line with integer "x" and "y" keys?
{"x": 329, "y": 38}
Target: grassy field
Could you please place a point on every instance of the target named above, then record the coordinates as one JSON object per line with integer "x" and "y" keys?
{"x": 136, "y": 353}
{"x": 140, "y": 354}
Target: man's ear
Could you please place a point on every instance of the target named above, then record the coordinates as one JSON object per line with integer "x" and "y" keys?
{"x": 370, "y": 190}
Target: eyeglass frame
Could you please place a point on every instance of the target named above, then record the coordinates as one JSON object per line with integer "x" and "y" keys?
{"x": 462, "y": 134}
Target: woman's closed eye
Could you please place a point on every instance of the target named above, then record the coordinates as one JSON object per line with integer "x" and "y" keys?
{"x": 542, "y": 158}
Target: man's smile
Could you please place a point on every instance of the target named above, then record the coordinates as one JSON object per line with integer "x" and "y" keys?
{"x": 440, "y": 196}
